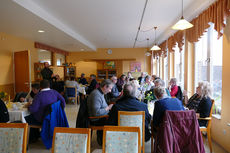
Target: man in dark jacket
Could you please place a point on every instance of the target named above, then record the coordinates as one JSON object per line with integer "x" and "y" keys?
{"x": 82, "y": 79}
{"x": 128, "y": 102}
{"x": 47, "y": 73}
{"x": 114, "y": 94}
{"x": 93, "y": 84}
{"x": 4, "y": 114}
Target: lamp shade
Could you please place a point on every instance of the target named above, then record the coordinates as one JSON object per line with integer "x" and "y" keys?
{"x": 155, "y": 47}
{"x": 148, "y": 54}
{"x": 182, "y": 24}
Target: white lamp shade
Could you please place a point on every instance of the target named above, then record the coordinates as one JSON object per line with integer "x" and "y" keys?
{"x": 147, "y": 54}
{"x": 155, "y": 47}
{"x": 182, "y": 24}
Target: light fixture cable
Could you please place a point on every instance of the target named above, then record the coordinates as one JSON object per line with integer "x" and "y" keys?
{"x": 155, "y": 46}
{"x": 139, "y": 27}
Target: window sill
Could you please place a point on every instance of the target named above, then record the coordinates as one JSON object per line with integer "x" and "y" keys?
{"x": 217, "y": 116}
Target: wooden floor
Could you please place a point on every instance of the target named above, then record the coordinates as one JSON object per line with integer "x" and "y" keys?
{"x": 71, "y": 112}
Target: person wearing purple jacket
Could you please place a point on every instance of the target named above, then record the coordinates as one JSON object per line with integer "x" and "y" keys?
{"x": 43, "y": 99}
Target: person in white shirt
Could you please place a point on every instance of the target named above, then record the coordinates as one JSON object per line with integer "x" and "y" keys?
{"x": 148, "y": 84}
{"x": 72, "y": 83}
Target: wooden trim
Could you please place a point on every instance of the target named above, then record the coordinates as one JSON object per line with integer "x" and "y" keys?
{"x": 50, "y": 48}
{"x": 122, "y": 129}
{"x": 18, "y": 125}
{"x": 143, "y": 123}
{"x": 97, "y": 117}
{"x": 125, "y": 59}
{"x": 72, "y": 130}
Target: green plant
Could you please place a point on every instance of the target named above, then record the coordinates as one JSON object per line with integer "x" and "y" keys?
{"x": 149, "y": 96}
{"x": 3, "y": 94}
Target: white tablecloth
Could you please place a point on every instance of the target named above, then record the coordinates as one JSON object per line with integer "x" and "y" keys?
{"x": 81, "y": 89}
{"x": 18, "y": 115}
{"x": 151, "y": 107}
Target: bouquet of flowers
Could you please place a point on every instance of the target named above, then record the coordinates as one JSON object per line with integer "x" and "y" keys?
{"x": 3, "y": 94}
{"x": 149, "y": 96}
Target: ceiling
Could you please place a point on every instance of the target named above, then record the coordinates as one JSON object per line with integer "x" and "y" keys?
{"x": 76, "y": 25}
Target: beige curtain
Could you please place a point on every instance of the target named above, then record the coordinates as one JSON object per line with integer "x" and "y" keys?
{"x": 216, "y": 14}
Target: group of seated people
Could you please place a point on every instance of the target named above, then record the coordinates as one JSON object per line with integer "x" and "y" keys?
{"x": 122, "y": 93}
{"x": 126, "y": 99}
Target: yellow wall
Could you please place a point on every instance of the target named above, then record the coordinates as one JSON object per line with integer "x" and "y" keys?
{"x": 8, "y": 45}
{"x": 78, "y": 58}
{"x": 218, "y": 126}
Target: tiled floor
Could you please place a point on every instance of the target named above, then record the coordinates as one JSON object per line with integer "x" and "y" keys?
{"x": 71, "y": 112}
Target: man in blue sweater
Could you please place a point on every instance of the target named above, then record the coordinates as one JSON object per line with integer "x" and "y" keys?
{"x": 164, "y": 103}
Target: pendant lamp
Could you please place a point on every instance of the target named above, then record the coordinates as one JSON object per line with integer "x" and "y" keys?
{"x": 155, "y": 46}
{"x": 147, "y": 51}
{"x": 182, "y": 24}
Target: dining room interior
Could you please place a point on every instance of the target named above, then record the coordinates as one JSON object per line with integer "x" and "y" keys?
{"x": 113, "y": 38}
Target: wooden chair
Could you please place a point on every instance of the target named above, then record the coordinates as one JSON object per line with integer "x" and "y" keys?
{"x": 121, "y": 139}
{"x": 208, "y": 128}
{"x": 13, "y": 137}
{"x": 152, "y": 136}
{"x": 72, "y": 93}
{"x": 136, "y": 119}
{"x": 94, "y": 127}
{"x": 70, "y": 140}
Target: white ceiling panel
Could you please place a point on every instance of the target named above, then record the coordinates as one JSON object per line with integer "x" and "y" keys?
{"x": 91, "y": 24}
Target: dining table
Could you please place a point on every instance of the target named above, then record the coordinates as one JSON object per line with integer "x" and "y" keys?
{"x": 17, "y": 112}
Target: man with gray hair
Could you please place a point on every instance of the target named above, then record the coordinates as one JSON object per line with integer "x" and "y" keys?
{"x": 163, "y": 104}
{"x": 114, "y": 94}
{"x": 97, "y": 105}
{"x": 128, "y": 102}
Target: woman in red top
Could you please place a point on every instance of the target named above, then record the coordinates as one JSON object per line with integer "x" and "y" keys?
{"x": 173, "y": 88}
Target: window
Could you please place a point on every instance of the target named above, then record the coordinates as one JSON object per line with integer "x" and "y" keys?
{"x": 60, "y": 59}
{"x": 166, "y": 69}
{"x": 179, "y": 66}
{"x": 44, "y": 56}
{"x": 201, "y": 62}
{"x": 208, "y": 64}
{"x": 216, "y": 71}
{"x": 158, "y": 66}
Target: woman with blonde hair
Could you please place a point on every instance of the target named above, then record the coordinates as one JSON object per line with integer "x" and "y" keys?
{"x": 200, "y": 101}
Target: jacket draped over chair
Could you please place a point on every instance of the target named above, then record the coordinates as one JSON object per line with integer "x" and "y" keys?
{"x": 179, "y": 133}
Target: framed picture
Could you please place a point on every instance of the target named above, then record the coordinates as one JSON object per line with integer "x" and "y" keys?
{"x": 109, "y": 65}
{"x": 135, "y": 66}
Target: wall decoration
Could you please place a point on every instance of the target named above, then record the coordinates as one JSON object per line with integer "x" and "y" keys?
{"x": 109, "y": 65}
{"x": 135, "y": 66}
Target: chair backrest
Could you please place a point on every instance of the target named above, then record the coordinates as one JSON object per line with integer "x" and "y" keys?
{"x": 55, "y": 118}
{"x": 71, "y": 140}
{"x": 19, "y": 95}
{"x": 71, "y": 91}
{"x": 13, "y": 137}
{"x": 177, "y": 133}
{"x": 121, "y": 139}
{"x": 179, "y": 94}
{"x": 135, "y": 119}
{"x": 210, "y": 114}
